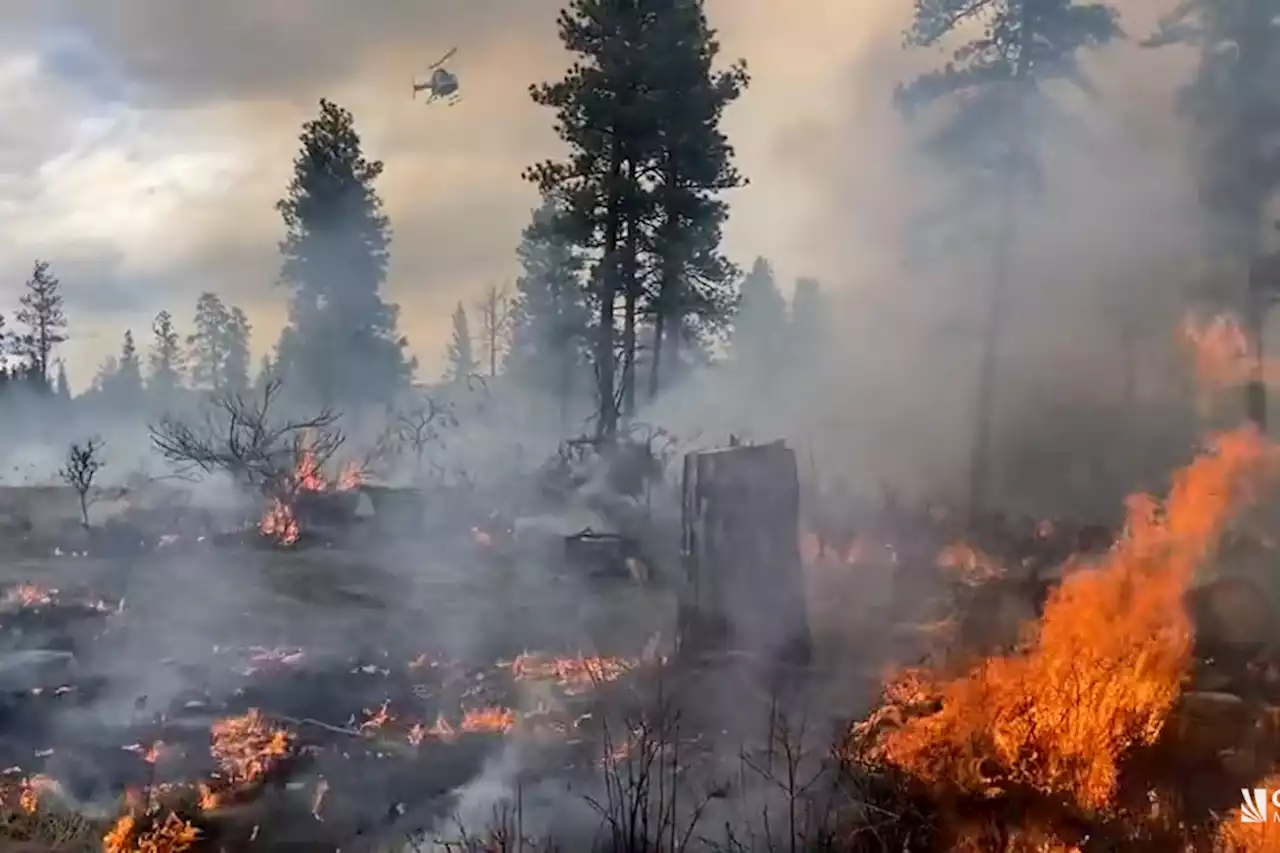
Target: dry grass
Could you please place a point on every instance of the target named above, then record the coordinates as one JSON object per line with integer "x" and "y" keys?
{"x": 46, "y": 829}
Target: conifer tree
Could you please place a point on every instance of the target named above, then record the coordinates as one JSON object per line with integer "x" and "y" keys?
{"x": 460, "y": 355}
{"x": 343, "y": 344}
{"x": 994, "y": 85}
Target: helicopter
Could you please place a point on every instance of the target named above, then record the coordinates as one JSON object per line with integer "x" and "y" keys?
{"x": 442, "y": 85}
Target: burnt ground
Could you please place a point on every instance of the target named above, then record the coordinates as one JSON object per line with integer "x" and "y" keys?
{"x": 155, "y": 648}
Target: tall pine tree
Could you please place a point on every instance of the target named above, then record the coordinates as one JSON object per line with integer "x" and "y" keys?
{"x": 991, "y": 135}
{"x": 42, "y": 313}
{"x": 165, "y": 358}
{"x": 235, "y": 366}
{"x": 1234, "y": 109}
{"x": 126, "y": 383}
{"x": 550, "y": 317}
{"x": 344, "y": 346}
{"x": 460, "y": 356}
{"x": 810, "y": 322}
{"x": 693, "y": 165}
{"x": 207, "y": 344}
{"x": 1233, "y": 106}
{"x": 760, "y": 326}
{"x": 604, "y": 116}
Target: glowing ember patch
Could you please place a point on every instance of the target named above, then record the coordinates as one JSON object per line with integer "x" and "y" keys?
{"x": 376, "y": 719}
{"x": 247, "y": 747}
{"x": 488, "y": 720}
{"x": 574, "y": 674}
{"x": 442, "y": 729}
{"x": 30, "y": 595}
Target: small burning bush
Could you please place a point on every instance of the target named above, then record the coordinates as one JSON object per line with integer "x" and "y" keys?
{"x": 280, "y": 458}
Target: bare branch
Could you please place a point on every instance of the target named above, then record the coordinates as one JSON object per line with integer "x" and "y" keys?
{"x": 81, "y": 467}
{"x": 239, "y": 436}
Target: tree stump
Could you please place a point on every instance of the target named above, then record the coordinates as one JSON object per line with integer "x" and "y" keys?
{"x": 743, "y": 589}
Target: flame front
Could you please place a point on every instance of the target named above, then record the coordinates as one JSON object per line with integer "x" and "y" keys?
{"x": 1098, "y": 678}
{"x": 132, "y": 834}
{"x": 1101, "y": 672}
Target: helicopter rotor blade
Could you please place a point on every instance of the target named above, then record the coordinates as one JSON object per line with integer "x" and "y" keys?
{"x": 442, "y": 60}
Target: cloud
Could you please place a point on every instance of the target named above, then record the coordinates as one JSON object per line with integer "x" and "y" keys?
{"x": 148, "y": 142}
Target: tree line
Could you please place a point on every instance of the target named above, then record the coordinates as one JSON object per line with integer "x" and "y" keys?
{"x": 623, "y": 286}
{"x": 214, "y": 356}
{"x": 621, "y": 270}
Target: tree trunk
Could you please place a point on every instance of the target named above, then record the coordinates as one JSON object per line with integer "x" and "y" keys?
{"x": 631, "y": 297}
{"x": 607, "y": 406}
{"x": 659, "y": 329}
{"x": 493, "y": 342}
{"x": 667, "y": 304}
{"x": 565, "y": 390}
{"x": 1263, "y": 275}
{"x": 984, "y": 413}
{"x": 997, "y": 294}
{"x": 743, "y": 588}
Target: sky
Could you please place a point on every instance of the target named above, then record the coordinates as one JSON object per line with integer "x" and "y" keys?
{"x": 145, "y": 143}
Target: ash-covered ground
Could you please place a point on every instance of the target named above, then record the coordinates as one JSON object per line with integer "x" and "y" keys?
{"x": 401, "y": 674}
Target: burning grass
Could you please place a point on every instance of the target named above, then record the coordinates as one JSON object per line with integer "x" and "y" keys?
{"x": 1062, "y": 726}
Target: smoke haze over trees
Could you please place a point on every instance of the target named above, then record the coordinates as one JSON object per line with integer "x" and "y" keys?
{"x": 960, "y": 286}
{"x": 626, "y": 306}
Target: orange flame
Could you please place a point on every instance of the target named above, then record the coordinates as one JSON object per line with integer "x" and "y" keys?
{"x": 488, "y": 720}
{"x": 279, "y": 521}
{"x": 1102, "y": 672}
{"x": 350, "y": 477}
{"x": 132, "y": 835}
{"x": 247, "y": 747}
{"x": 574, "y": 674}
{"x": 30, "y": 595}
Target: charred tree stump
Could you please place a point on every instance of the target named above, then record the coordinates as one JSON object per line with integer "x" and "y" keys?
{"x": 743, "y": 587}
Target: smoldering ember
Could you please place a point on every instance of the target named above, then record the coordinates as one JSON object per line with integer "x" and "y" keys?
{"x": 962, "y": 539}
